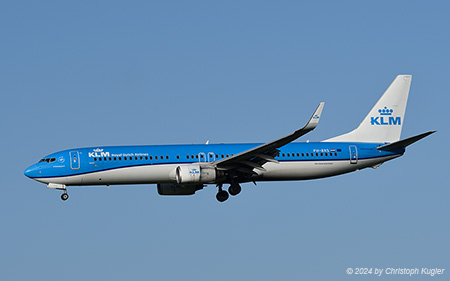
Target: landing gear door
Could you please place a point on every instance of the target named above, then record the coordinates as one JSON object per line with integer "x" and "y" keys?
{"x": 74, "y": 160}
{"x": 353, "y": 154}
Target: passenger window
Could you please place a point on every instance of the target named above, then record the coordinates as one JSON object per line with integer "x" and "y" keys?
{"x": 307, "y": 154}
{"x": 228, "y": 155}
{"x": 151, "y": 157}
{"x": 95, "y": 159}
{"x": 125, "y": 158}
{"x": 99, "y": 159}
{"x": 288, "y": 155}
{"x": 178, "y": 156}
{"x": 196, "y": 156}
{"x": 222, "y": 156}
{"x": 326, "y": 154}
{"x": 187, "y": 156}
{"x": 146, "y": 157}
{"x": 317, "y": 154}
{"x": 156, "y": 157}
{"x": 335, "y": 154}
{"x": 303, "y": 154}
{"x": 167, "y": 157}
{"x": 120, "y": 158}
{"x": 104, "y": 159}
{"x": 321, "y": 154}
{"x": 141, "y": 158}
{"x": 115, "y": 158}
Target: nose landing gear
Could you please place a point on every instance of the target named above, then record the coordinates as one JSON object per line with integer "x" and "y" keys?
{"x": 64, "y": 196}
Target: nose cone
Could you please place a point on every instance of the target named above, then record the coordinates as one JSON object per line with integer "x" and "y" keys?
{"x": 31, "y": 171}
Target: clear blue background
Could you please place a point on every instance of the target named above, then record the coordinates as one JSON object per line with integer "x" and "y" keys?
{"x": 90, "y": 73}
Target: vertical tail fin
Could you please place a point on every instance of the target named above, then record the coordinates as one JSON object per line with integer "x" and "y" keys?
{"x": 384, "y": 122}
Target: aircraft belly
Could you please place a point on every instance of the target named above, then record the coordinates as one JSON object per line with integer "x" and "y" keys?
{"x": 133, "y": 175}
{"x": 130, "y": 175}
{"x": 303, "y": 170}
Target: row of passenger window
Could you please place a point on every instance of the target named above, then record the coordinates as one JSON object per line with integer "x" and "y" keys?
{"x": 309, "y": 154}
{"x": 132, "y": 158}
{"x": 202, "y": 156}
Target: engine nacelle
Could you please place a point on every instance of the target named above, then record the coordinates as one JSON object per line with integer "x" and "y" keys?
{"x": 177, "y": 189}
{"x": 194, "y": 173}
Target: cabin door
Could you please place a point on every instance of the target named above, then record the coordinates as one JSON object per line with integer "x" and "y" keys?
{"x": 74, "y": 160}
{"x": 353, "y": 154}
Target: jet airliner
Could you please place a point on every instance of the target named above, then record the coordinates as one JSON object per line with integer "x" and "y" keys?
{"x": 185, "y": 169}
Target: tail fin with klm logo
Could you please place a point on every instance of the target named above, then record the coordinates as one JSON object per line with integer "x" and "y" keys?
{"x": 384, "y": 122}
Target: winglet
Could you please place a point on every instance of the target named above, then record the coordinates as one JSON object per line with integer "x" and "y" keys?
{"x": 314, "y": 120}
{"x": 266, "y": 148}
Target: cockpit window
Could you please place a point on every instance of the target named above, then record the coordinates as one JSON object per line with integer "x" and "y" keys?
{"x": 47, "y": 160}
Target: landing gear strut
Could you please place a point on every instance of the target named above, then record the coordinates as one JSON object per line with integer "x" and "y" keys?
{"x": 64, "y": 196}
{"x": 222, "y": 195}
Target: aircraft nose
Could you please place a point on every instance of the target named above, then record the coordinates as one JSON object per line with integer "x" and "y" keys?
{"x": 31, "y": 171}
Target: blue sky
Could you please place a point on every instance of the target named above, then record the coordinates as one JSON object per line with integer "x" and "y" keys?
{"x": 90, "y": 73}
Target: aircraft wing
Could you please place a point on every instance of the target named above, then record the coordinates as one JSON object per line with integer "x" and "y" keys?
{"x": 254, "y": 158}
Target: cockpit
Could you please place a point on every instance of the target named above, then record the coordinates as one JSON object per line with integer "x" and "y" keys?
{"x": 47, "y": 160}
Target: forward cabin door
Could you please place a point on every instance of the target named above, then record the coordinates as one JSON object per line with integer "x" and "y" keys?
{"x": 74, "y": 160}
{"x": 353, "y": 154}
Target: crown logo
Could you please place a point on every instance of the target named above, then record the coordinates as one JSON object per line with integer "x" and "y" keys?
{"x": 98, "y": 150}
{"x": 385, "y": 111}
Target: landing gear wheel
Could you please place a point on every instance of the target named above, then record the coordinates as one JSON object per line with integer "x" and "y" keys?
{"x": 64, "y": 196}
{"x": 222, "y": 196}
{"x": 234, "y": 189}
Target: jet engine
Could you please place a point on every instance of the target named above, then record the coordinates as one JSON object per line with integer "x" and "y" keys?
{"x": 177, "y": 189}
{"x": 194, "y": 173}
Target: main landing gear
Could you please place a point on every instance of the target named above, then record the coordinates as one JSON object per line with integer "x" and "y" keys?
{"x": 64, "y": 196}
{"x": 234, "y": 189}
{"x": 223, "y": 195}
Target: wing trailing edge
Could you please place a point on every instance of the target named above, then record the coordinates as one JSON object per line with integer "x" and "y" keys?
{"x": 267, "y": 151}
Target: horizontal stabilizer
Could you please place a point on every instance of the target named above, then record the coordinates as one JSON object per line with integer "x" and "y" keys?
{"x": 404, "y": 143}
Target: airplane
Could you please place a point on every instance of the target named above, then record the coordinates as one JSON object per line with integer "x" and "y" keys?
{"x": 185, "y": 169}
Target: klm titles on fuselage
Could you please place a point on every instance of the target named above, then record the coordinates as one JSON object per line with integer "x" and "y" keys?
{"x": 385, "y": 118}
{"x": 98, "y": 153}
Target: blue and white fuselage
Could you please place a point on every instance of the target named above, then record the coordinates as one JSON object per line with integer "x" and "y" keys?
{"x": 154, "y": 164}
{"x": 184, "y": 169}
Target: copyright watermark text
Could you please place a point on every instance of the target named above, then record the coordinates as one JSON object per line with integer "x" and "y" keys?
{"x": 394, "y": 271}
